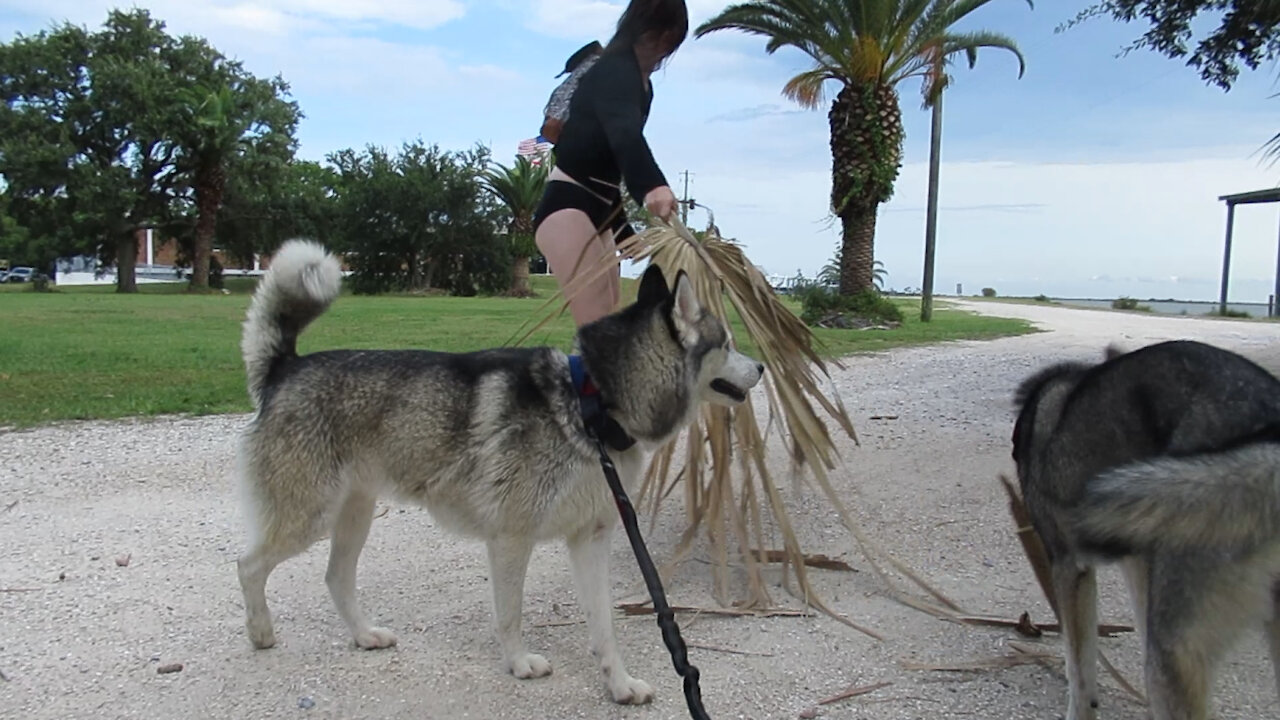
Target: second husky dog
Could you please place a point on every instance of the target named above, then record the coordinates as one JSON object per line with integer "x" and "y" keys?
{"x": 1167, "y": 459}
{"x": 491, "y": 442}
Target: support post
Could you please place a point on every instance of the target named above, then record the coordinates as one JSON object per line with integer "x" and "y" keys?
{"x": 1277, "y": 286}
{"x": 1226, "y": 258}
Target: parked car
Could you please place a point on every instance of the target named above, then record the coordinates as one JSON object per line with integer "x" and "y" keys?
{"x": 22, "y": 273}
{"x": 4, "y": 276}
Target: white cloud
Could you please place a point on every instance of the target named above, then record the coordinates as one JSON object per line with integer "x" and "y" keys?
{"x": 322, "y": 47}
{"x": 575, "y": 19}
{"x": 489, "y": 74}
{"x": 1148, "y": 226}
{"x": 1130, "y": 225}
{"x": 259, "y": 16}
{"x": 718, "y": 60}
{"x": 421, "y": 14}
{"x": 598, "y": 18}
{"x": 363, "y": 66}
{"x": 252, "y": 19}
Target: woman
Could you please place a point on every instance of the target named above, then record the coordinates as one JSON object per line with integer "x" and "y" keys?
{"x": 602, "y": 145}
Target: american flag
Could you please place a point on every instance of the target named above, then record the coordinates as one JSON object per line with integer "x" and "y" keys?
{"x": 536, "y": 149}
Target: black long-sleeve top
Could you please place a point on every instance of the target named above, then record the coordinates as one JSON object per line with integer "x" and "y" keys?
{"x": 603, "y": 138}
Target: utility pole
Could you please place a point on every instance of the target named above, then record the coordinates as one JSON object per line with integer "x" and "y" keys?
{"x": 931, "y": 212}
{"x": 685, "y": 201}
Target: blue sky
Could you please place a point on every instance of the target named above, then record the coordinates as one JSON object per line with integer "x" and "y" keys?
{"x": 1093, "y": 175}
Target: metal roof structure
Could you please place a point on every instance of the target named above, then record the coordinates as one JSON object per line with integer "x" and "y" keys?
{"x": 1257, "y": 196}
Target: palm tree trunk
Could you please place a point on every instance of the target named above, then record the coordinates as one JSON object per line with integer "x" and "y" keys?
{"x": 857, "y": 250}
{"x": 866, "y": 154}
{"x": 127, "y": 263}
{"x": 520, "y": 232}
{"x": 520, "y": 277}
{"x": 209, "y": 188}
{"x": 417, "y": 278}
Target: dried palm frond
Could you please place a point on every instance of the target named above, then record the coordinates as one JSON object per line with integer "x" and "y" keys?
{"x": 800, "y": 410}
{"x": 1036, "y": 554}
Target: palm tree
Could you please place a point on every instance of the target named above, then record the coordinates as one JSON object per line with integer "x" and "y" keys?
{"x": 220, "y": 121}
{"x": 520, "y": 189}
{"x": 868, "y": 47}
{"x": 215, "y": 134}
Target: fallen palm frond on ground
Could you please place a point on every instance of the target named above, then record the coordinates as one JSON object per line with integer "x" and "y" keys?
{"x": 724, "y": 442}
{"x": 646, "y": 608}
{"x": 1026, "y": 627}
{"x": 1023, "y": 655}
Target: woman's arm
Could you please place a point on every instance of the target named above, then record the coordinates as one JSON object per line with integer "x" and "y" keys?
{"x": 618, "y": 98}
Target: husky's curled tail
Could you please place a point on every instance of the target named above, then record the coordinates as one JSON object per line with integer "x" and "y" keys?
{"x": 1228, "y": 500}
{"x": 303, "y": 280}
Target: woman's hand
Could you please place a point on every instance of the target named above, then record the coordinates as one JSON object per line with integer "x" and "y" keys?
{"x": 661, "y": 202}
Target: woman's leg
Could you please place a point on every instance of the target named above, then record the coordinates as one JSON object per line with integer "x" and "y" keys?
{"x": 574, "y": 252}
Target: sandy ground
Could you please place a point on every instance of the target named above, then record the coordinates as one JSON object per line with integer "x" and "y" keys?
{"x": 82, "y": 636}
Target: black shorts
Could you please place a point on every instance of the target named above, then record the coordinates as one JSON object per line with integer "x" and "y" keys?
{"x": 564, "y": 195}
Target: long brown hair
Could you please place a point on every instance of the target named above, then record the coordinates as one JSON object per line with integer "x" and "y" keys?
{"x": 667, "y": 19}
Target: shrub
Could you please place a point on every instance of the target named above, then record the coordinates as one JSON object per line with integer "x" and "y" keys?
{"x": 1128, "y": 303}
{"x": 1041, "y": 298}
{"x": 1230, "y": 313}
{"x": 821, "y": 304}
{"x": 988, "y": 292}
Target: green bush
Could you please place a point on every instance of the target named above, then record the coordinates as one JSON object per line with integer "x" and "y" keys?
{"x": 1128, "y": 303}
{"x": 988, "y": 292}
{"x": 1230, "y": 313}
{"x": 819, "y": 302}
{"x": 1041, "y": 298}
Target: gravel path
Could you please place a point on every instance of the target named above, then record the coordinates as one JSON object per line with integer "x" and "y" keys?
{"x": 117, "y": 558}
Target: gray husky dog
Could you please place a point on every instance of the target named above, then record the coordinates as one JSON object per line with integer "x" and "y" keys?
{"x": 1166, "y": 459}
{"x": 492, "y": 443}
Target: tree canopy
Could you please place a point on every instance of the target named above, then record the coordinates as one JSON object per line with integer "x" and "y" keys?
{"x": 1216, "y": 37}
{"x": 106, "y": 132}
{"x": 420, "y": 219}
{"x": 101, "y": 133}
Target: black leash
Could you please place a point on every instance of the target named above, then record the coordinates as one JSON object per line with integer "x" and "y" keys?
{"x": 666, "y": 618}
{"x": 601, "y": 428}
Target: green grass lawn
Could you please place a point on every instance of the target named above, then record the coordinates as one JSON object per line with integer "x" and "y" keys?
{"x": 88, "y": 353}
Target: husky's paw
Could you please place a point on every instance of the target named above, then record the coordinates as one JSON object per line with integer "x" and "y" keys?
{"x": 261, "y": 634}
{"x": 630, "y": 691}
{"x": 1082, "y": 710}
{"x": 529, "y": 665}
{"x": 375, "y": 638}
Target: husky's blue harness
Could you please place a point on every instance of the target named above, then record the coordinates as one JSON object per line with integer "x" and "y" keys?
{"x": 603, "y": 430}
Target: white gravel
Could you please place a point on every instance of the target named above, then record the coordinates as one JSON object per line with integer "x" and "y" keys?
{"x": 82, "y": 636}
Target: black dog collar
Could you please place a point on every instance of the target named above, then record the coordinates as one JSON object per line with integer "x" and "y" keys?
{"x": 591, "y": 404}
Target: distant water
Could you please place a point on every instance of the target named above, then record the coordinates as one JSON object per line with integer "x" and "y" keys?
{"x": 1174, "y": 307}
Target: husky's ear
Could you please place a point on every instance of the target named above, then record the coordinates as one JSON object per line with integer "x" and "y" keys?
{"x": 685, "y": 308}
{"x": 653, "y": 287}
